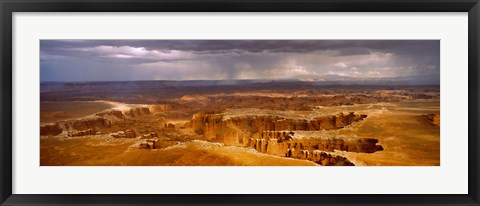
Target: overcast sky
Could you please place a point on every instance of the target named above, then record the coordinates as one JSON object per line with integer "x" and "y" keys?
{"x": 119, "y": 60}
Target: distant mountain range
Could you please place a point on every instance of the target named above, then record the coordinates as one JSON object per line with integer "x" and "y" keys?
{"x": 303, "y": 79}
{"x": 348, "y": 80}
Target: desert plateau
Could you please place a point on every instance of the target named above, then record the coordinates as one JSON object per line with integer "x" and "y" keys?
{"x": 239, "y": 102}
{"x": 241, "y": 123}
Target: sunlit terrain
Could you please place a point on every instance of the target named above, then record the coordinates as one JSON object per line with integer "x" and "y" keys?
{"x": 290, "y": 123}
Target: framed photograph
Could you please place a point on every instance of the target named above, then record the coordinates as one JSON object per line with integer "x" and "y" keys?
{"x": 235, "y": 102}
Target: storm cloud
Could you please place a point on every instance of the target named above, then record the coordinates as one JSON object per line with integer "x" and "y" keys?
{"x": 123, "y": 60}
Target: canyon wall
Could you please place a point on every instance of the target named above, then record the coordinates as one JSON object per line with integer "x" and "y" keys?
{"x": 92, "y": 124}
{"x": 275, "y": 135}
{"x": 136, "y": 112}
{"x": 236, "y": 130}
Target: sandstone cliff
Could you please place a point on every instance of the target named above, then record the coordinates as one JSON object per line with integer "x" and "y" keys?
{"x": 94, "y": 123}
{"x": 275, "y": 135}
{"x": 235, "y": 130}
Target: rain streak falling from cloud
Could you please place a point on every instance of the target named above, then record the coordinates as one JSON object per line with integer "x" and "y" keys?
{"x": 128, "y": 60}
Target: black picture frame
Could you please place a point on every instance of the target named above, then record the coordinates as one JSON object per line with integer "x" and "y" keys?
{"x": 7, "y": 7}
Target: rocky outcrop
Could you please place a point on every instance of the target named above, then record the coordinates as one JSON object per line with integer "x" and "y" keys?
{"x": 149, "y": 135}
{"x": 235, "y": 130}
{"x": 139, "y": 111}
{"x": 149, "y": 144}
{"x": 111, "y": 113}
{"x": 275, "y": 135}
{"x": 433, "y": 119}
{"x": 277, "y": 147}
{"x": 169, "y": 125}
{"x": 93, "y": 123}
{"x": 130, "y": 134}
{"x": 124, "y": 134}
{"x": 320, "y": 157}
{"x": 280, "y": 136}
{"x": 307, "y": 149}
{"x": 315, "y": 149}
{"x": 81, "y": 133}
{"x": 161, "y": 107}
{"x": 96, "y": 122}
{"x": 51, "y": 129}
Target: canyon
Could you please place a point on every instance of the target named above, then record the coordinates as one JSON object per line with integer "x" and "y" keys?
{"x": 269, "y": 124}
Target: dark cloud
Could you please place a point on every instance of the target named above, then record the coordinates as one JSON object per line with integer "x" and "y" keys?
{"x": 61, "y": 60}
{"x": 346, "y": 47}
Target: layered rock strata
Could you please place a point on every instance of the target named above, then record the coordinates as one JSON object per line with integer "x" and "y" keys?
{"x": 100, "y": 120}
{"x": 276, "y": 136}
{"x": 237, "y": 130}
{"x": 81, "y": 133}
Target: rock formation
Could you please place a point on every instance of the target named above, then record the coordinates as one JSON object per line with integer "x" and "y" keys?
{"x": 433, "y": 119}
{"x": 138, "y": 111}
{"x": 149, "y": 135}
{"x": 50, "y": 129}
{"x": 235, "y": 130}
{"x": 275, "y": 135}
{"x": 81, "y": 133}
{"x": 100, "y": 120}
{"x": 130, "y": 134}
{"x": 124, "y": 134}
{"x": 149, "y": 144}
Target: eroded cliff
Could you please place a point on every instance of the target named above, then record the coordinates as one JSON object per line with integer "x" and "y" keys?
{"x": 91, "y": 124}
{"x": 276, "y": 135}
